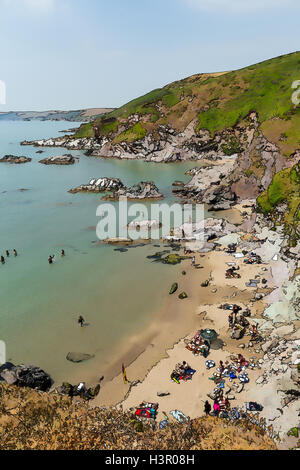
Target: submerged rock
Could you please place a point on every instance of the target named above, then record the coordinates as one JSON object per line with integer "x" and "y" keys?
{"x": 79, "y": 357}
{"x": 173, "y": 258}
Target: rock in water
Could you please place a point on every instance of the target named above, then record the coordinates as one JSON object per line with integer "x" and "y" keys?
{"x": 14, "y": 159}
{"x": 174, "y": 288}
{"x": 99, "y": 185}
{"x": 173, "y": 258}
{"x": 67, "y": 159}
{"x": 79, "y": 357}
{"x": 183, "y": 295}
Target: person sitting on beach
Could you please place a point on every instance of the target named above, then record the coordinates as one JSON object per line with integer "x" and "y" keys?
{"x": 229, "y": 272}
{"x": 241, "y": 361}
{"x": 15, "y": 253}
{"x": 81, "y": 321}
{"x": 231, "y": 248}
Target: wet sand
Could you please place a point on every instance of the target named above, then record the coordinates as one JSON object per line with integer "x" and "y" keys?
{"x": 153, "y": 354}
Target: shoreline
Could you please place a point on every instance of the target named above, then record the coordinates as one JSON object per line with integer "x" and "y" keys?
{"x": 152, "y": 353}
{"x": 151, "y": 368}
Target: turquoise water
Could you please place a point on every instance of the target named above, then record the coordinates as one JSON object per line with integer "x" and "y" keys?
{"x": 115, "y": 292}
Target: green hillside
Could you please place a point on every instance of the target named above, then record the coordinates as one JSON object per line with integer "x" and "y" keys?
{"x": 216, "y": 102}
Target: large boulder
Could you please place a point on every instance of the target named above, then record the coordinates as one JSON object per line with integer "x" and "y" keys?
{"x": 26, "y": 376}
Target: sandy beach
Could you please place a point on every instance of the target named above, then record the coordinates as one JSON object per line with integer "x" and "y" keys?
{"x": 177, "y": 320}
{"x": 164, "y": 345}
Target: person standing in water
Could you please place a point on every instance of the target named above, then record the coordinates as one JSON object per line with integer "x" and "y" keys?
{"x": 7, "y": 253}
{"x": 15, "y": 253}
{"x": 50, "y": 259}
{"x": 2, "y": 260}
{"x": 81, "y": 320}
{"x": 63, "y": 253}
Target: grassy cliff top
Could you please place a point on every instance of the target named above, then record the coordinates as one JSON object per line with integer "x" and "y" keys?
{"x": 215, "y": 102}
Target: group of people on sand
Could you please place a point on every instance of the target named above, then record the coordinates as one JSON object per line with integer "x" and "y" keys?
{"x": 51, "y": 257}
{"x": 182, "y": 372}
{"x": 2, "y": 259}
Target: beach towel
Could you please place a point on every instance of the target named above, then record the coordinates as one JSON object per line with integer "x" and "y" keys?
{"x": 179, "y": 416}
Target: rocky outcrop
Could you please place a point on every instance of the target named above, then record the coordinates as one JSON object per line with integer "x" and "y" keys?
{"x": 140, "y": 191}
{"x": 67, "y": 159}
{"x": 208, "y": 185}
{"x": 99, "y": 185}
{"x": 25, "y": 376}
{"x": 14, "y": 159}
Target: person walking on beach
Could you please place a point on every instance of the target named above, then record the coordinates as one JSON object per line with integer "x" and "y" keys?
{"x": 81, "y": 320}
{"x": 193, "y": 261}
{"x": 15, "y": 253}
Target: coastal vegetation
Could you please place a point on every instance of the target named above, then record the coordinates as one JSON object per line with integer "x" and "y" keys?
{"x": 31, "y": 420}
{"x": 283, "y": 191}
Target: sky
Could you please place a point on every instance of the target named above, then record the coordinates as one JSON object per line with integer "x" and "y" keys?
{"x": 76, "y": 54}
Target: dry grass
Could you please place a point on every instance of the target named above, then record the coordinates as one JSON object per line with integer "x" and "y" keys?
{"x": 34, "y": 420}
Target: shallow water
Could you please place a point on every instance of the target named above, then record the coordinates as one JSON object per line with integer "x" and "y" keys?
{"x": 115, "y": 292}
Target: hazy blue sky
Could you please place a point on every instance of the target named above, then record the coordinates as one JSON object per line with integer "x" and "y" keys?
{"x": 71, "y": 54}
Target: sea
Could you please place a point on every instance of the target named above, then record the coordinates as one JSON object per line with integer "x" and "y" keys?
{"x": 117, "y": 292}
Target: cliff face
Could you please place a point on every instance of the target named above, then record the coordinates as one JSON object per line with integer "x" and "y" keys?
{"x": 245, "y": 116}
{"x": 36, "y": 420}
